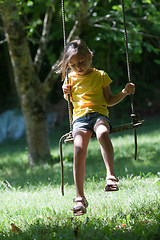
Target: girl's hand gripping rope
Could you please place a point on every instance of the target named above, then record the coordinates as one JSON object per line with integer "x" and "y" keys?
{"x": 129, "y": 89}
{"x": 66, "y": 90}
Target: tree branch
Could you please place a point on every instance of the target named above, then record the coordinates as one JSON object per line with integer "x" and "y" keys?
{"x": 82, "y": 20}
{"x": 3, "y": 41}
{"x": 73, "y": 32}
{"x": 121, "y": 30}
{"x": 103, "y": 19}
{"x": 44, "y": 38}
{"x": 142, "y": 6}
{"x": 76, "y": 31}
{"x": 51, "y": 78}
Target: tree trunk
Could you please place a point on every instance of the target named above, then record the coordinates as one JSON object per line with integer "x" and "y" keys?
{"x": 31, "y": 91}
{"x": 37, "y": 136}
{"x": 27, "y": 83}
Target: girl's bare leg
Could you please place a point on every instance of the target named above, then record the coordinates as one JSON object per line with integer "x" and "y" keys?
{"x": 102, "y": 129}
{"x": 81, "y": 140}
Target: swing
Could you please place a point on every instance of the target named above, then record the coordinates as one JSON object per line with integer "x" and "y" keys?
{"x": 135, "y": 121}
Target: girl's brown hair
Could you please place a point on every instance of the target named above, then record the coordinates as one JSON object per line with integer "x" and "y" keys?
{"x": 74, "y": 47}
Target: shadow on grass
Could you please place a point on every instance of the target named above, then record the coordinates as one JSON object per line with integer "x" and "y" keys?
{"x": 15, "y": 169}
{"x": 24, "y": 176}
{"x": 86, "y": 228}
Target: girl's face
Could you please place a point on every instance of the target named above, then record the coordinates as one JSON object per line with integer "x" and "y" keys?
{"x": 80, "y": 63}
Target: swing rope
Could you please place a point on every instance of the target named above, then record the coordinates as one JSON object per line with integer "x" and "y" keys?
{"x": 64, "y": 39}
{"x": 67, "y": 135}
{"x": 133, "y": 115}
{"x": 135, "y": 121}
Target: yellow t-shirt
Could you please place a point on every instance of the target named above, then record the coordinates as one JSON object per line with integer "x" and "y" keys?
{"x": 87, "y": 93}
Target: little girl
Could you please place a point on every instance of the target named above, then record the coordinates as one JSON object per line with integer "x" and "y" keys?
{"x": 90, "y": 94}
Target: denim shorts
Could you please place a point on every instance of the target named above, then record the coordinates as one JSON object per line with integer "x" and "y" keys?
{"x": 88, "y": 121}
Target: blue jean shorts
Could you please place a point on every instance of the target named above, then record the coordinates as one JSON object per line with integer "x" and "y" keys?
{"x": 88, "y": 121}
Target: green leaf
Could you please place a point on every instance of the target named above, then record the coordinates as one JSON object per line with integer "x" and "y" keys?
{"x": 117, "y": 7}
{"x": 147, "y": 1}
{"x": 128, "y": 217}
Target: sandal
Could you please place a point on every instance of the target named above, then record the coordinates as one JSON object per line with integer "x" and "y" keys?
{"x": 112, "y": 184}
{"x": 81, "y": 209}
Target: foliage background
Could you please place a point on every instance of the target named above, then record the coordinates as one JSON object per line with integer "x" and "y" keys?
{"x": 104, "y": 35}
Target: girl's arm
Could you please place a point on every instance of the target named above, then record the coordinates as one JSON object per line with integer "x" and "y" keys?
{"x": 114, "y": 99}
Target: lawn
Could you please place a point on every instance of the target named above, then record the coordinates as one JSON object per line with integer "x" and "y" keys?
{"x": 31, "y": 197}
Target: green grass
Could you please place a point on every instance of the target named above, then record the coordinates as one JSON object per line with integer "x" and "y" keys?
{"x": 31, "y": 197}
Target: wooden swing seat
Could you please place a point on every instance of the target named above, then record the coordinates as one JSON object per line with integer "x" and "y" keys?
{"x": 69, "y": 138}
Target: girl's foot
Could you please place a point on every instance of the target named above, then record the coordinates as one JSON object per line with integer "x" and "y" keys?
{"x": 112, "y": 184}
{"x": 80, "y": 206}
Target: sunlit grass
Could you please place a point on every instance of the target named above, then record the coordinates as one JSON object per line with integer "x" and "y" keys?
{"x": 31, "y": 197}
